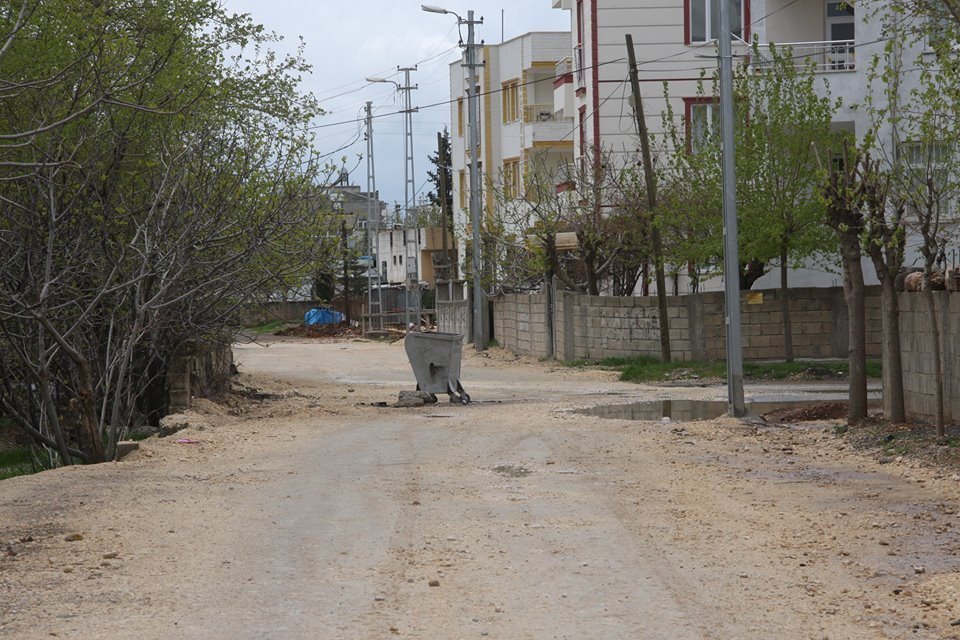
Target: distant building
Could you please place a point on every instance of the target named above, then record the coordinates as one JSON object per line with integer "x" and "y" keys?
{"x": 520, "y": 123}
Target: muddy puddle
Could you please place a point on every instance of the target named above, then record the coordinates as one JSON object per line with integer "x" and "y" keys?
{"x": 692, "y": 410}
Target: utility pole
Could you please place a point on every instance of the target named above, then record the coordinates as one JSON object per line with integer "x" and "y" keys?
{"x": 411, "y": 245}
{"x": 473, "y": 113}
{"x": 651, "y": 182}
{"x": 442, "y": 163}
{"x": 346, "y": 271}
{"x": 731, "y": 262}
{"x": 374, "y": 298}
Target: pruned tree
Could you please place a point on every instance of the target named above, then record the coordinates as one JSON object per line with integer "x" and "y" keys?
{"x": 917, "y": 135}
{"x": 532, "y": 211}
{"x": 844, "y": 193}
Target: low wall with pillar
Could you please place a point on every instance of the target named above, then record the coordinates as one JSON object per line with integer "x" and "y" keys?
{"x": 597, "y": 327}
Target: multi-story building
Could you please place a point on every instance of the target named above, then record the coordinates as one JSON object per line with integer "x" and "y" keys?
{"x": 675, "y": 48}
{"x": 396, "y": 252}
{"x": 674, "y": 42}
{"x": 519, "y": 125}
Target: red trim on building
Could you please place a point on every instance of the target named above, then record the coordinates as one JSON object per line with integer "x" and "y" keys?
{"x": 582, "y": 127}
{"x": 582, "y": 91}
{"x": 686, "y": 21}
{"x": 746, "y": 20}
{"x": 595, "y": 71}
{"x": 688, "y": 116}
{"x": 657, "y": 80}
{"x": 566, "y": 78}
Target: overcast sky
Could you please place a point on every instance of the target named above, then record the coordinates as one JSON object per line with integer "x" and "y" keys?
{"x": 348, "y": 41}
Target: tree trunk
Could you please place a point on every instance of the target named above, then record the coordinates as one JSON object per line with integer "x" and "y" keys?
{"x": 853, "y": 292}
{"x": 785, "y": 307}
{"x": 893, "y": 404}
{"x": 937, "y": 356}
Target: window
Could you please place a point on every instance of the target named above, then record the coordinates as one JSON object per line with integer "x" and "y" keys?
{"x": 511, "y": 178}
{"x": 703, "y": 122}
{"x": 460, "y": 117}
{"x": 703, "y": 19}
{"x": 940, "y": 32}
{"x": 841, "y": 24}
{"x": 933, "y": 161}
{"x": 463, "y": 189}
{"x": 511, "y": 101}
{"x": 582, "y": 127}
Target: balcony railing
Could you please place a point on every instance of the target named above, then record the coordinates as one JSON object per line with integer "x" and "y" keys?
{"x": 564, "y": 67}
{"x": 538, "y": 113}
{"x": 831, "y": 55}
{"x": 578, "y": 65}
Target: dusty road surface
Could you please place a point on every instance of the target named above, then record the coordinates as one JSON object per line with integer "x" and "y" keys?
{"x": 307, "y": 512}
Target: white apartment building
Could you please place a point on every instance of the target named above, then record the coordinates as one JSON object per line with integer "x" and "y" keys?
{"x": 674, "y": 43}
{"x": 396, "y": 252}
{"x": 518, "y": 122}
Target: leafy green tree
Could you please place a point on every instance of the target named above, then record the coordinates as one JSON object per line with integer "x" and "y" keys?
{"x": 156, "y": 169}
{"x": 781, "y": 122}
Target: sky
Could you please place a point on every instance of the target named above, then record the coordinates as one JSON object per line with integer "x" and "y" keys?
{"x": 346, "y": 42}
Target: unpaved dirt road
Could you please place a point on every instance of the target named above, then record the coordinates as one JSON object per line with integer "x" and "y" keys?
{"x": 314, "y": 515}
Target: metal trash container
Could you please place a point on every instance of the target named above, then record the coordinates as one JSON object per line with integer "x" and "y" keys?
{"x": 435, "y": 358}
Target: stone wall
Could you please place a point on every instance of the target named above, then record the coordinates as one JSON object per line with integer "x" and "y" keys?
{"x": 598, "y": 327}
{"x": 916, "y": 345}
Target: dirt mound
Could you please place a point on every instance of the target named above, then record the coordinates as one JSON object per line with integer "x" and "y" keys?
{"x": 819, "y": 411}
{"x": 340, "y": 331}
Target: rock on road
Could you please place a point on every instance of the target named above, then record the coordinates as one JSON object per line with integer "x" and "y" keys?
{"x": 314, "y": 514}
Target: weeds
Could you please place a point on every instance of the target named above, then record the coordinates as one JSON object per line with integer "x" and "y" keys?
{"x": 647, "y": 369}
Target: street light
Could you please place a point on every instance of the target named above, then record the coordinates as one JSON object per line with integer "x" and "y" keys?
{"x": 429, "y": 8}
{"x": 374, "y": 79}
{"x": 473, "y": 115}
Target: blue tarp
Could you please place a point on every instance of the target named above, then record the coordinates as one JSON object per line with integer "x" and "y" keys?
{"x": 322, "y": 316}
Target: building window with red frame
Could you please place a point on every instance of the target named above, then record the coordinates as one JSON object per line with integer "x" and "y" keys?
{"x": 582, "y": 127}
{"x": 702, "y": 119}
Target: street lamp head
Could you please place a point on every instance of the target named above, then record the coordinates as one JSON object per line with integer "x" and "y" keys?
{"x": 375, "y": 79}
{"x": 429, "y": 8}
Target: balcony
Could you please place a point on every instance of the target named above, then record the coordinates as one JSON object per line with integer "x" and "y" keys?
{"x": 538, "y": 113}
{"x": 827, "y": 56}
{"x": 545, "y": 129}
{"x": 564, "y": 67}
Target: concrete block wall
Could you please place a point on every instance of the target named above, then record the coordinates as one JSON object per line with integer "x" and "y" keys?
{"x": 520, "y": 323}
{"x": 598, "y": 327}
{"x": 818, "y": 322}
{"x": 916, "y": 345}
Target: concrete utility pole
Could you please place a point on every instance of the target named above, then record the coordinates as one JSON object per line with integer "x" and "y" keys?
{"x": 651, "y": 183}
{"x": 731, "y": 261}
{"x": 374, "y": 299}
{"x": 473, "y": 114}
{"x": 473, "y": 96}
